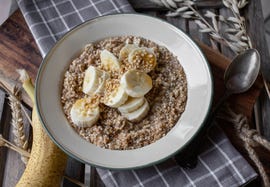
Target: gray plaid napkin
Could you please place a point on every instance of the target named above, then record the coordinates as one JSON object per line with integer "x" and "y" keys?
{"x": 49, "y": 20}
{"x": 219, "y": 163}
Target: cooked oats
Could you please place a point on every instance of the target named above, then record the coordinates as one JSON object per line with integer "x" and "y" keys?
{"x": 167, "y": 98}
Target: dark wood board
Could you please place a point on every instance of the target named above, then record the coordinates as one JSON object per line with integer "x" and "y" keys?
{"x": 255, "y": 23}
{"x": 148, "y": 5}
{"x": 4, "y": 131}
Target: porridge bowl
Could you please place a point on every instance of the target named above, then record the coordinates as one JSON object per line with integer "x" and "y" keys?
{"x": 177, "y": 103}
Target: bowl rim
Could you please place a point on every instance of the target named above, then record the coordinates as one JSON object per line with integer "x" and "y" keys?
{"x": 43, "y": 64}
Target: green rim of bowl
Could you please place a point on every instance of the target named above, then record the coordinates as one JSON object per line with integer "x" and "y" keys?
{"x": 69, "y": 153}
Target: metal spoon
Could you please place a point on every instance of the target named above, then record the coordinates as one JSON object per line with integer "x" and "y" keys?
{"x": 239, "y": 77}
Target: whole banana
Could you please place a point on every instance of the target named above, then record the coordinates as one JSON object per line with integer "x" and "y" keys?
{"x": 47, "y": 162}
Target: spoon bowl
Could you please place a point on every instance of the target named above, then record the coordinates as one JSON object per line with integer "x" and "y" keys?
{"x": 242, "y": 72}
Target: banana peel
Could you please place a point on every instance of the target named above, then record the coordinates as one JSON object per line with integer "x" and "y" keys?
{"x": 47, "y": 162}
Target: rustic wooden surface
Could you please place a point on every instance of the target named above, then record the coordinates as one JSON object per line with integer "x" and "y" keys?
{"x": 18, "y": 50}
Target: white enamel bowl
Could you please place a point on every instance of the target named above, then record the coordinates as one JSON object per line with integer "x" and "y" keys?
{"x": 50, "y": 78}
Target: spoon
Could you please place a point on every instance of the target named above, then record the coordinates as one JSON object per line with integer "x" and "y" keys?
{"x": 238, "y": 78}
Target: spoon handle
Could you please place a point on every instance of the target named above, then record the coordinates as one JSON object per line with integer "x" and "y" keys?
{"x": 189, "y": 157}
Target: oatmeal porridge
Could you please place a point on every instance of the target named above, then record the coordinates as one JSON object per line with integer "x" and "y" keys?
{"x": 125, "y": 117}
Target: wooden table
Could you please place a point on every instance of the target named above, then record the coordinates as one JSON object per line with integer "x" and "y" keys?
{"x": 18, "y": 50}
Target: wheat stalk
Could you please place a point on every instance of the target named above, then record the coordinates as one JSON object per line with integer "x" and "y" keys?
{"x": 6, "y": 143}
{"x": 2, "y": 85}
{"x": 237, "y": 31}
{"x": 235, "y": 37}
{"x": 17, "y": 122}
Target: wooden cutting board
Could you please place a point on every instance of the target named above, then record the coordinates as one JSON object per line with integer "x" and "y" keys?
{"x": 18, "y": 50}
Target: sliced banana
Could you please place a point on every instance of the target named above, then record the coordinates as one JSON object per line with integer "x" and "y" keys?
{"x": 84, "y": 112}
{"x": 115, "y": 94}
{"x": 102, "y": 82}
{"x": 136, "y": 83}
{"x": 94, "y": 80}
{"x": 132, "y": 104}
{"x": 126, "y": 50}
{"x": 138, "y": 114}
{"x": 143, "y": 59}
{"x": 109, "y": 62}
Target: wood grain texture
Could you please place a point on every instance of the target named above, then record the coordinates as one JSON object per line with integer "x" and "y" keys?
{"x": 2, "y": 103}
{"x": 14, "y": 168}
{"x": 149, "y": 5}
{"x": 75, "y": 170}
{"x": 95, "y": 180}
{"x": 255, "y": 24}
{"x": 4, "y": 130}
{"x": 264, "y": 106}
{"x": 17, "y": 50}
{"x": 178, "y": 22}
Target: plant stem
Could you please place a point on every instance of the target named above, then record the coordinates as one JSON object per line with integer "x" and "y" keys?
{"x": 10, "y": 93}
{"x": 14, "y": 147}
{"x": 27, "y": 84}
{"x": 223, "y": 40}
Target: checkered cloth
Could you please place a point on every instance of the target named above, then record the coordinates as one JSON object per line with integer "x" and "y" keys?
{"x": 219, "y": 163}
{"x": 49, "y": 20}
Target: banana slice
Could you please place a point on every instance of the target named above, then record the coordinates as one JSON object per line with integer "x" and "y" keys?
{"x": 143, "y": 59}
{"x": 132, "y": 104}
{"x": 94, "y": 80}
{"x": 126, "y": 50}
{"x": 136, "y": 83}
{"x": 115, "y": 94}
{"x": 85, "y": 112}
{"x": 109, "y": 62}
{"x": 138, "y": 114}
{"x": 102, "y": 82}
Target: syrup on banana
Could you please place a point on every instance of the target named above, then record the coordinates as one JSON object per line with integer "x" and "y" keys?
{"x": 143, "y": 59}
{"x": 115, "y": 94}
{"x": 85, "y": 112}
